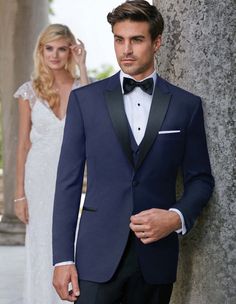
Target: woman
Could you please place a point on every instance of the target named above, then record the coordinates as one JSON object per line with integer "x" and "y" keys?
{"x": 42, "y": 109}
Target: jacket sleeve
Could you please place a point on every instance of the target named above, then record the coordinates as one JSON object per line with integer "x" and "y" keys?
{"x": 69, "y": 184}
{"x": 198, "y": 181}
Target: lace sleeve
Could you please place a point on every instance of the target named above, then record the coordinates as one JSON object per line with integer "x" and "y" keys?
{"x": 26, "y": 92}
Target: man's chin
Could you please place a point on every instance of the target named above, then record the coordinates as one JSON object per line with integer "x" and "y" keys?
{"x": 128, "y": 69}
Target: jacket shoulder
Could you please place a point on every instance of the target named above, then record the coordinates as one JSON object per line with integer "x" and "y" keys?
{"x": 178, "y": 92}
{"x": 96, "y": 85}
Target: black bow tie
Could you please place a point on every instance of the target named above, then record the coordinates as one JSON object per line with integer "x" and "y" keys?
{"x": 146, "y": 85}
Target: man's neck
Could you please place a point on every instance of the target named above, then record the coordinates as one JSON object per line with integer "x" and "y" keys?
{"x": 140, "y": 78}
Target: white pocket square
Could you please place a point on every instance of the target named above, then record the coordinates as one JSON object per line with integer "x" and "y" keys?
{"x": 169, "y": 132}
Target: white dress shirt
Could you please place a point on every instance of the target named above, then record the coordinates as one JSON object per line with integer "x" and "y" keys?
{"x": 137, "y": 107}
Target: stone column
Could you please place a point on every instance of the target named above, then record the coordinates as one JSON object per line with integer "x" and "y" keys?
{"x": 20, "y": 23}
{"x": 198, "y": 54}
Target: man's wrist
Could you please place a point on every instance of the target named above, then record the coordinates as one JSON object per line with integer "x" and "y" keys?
{"x": 182, "y": 229}
{"x": 175, "y": 220}
{"x": 64, "y": 263}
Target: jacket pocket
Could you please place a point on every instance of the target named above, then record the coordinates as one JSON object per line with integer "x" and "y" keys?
{"x": 85, "y": 208}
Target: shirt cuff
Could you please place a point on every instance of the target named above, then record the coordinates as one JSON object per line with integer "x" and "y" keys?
{"x": 182, "y": 230}
{"x": 64, "y": 263}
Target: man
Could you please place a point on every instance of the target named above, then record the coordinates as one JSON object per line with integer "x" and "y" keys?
{"x": 134, "y": 130}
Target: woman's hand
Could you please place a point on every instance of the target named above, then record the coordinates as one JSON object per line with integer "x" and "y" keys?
{"x": 79, "y": 53}
{"x": 21, "y": 211}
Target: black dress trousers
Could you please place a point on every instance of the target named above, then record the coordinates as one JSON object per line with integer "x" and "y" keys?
{"x": 127, "y": 285}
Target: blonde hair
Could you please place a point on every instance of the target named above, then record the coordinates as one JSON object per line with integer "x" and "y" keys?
{"x": 42, "y": 76}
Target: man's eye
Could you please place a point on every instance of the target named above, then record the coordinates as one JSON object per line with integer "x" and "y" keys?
{"x": 137, "y": 40}
{"x": 118, "y": 40}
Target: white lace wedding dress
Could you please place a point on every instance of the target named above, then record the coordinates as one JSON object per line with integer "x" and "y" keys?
{"x": 40, "y": 178}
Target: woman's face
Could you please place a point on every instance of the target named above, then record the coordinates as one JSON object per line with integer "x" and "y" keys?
{"x": 56, "y": 54}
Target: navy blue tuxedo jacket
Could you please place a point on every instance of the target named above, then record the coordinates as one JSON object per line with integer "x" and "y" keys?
{"x": 97, "y": 132}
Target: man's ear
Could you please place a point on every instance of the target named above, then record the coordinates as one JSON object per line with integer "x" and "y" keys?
{"x": 157, "y": 43}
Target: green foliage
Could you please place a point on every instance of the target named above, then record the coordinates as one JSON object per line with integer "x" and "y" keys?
{"x": 51, "y": 12}
{"x": 100, "y": 73}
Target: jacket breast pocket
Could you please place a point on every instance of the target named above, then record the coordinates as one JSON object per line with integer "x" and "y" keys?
{"x": 171, "y": 135}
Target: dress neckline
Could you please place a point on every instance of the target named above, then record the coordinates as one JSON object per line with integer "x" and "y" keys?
{"x": 44, "y": 102}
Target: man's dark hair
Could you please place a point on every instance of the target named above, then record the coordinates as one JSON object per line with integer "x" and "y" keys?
{"x": 138, "y": 10}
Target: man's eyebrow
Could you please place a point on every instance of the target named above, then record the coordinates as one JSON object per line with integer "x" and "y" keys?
{"x": 138, "y": 36}
{"x": 132, "y": 37}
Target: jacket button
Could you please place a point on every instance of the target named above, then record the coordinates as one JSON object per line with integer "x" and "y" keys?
{"x": 135, "y": 183}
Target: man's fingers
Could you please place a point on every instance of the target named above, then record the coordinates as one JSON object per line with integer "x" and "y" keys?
{"x": 145, "y": 212}
{"x": 64, "y": 276}
{"x": 148, "y": 212}
{"x": 147, "y": 240}
{"x": 71, "y": 297}
{"x": 142, "y": 217}
{"x": 137, "y": 220}
{"x": 141, "y": 232}
{"x": 75, "y": 285}
{"x": 139, "y": 227}
{"x": 63, "y": 292}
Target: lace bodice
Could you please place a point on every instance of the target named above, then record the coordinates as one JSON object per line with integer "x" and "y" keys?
{"x": 46, "y": 126}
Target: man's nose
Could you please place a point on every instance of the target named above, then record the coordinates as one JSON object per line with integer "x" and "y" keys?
{"x": 128, "y": 49}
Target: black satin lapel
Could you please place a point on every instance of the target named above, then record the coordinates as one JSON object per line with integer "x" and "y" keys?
{"x": 114, "y": 100}
{"x": 157, "y": 114}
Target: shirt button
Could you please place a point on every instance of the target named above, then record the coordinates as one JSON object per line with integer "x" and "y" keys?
{"x": 139, "y": 104}
{"x": 135, "y": 183}
{"x": 139, "y": 129}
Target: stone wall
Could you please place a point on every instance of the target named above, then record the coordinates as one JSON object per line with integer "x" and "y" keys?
{"x": 198, "y": 54}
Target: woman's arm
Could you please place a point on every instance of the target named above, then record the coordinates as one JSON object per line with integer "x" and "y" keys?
{"x": 79, "y": 53}
{"x": 24, "y": 144}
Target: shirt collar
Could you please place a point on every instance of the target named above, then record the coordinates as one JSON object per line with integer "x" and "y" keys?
{"x": 153, "y": 75}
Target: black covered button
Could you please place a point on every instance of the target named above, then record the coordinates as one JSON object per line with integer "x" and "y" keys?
{"x": 135, "y": 183}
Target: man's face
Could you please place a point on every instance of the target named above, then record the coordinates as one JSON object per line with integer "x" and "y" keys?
{"x": 134, "y": 48}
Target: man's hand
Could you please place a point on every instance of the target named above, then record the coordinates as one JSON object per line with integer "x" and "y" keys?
{"x": 63, "y": 275}
{"x": 154, "y": 224}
